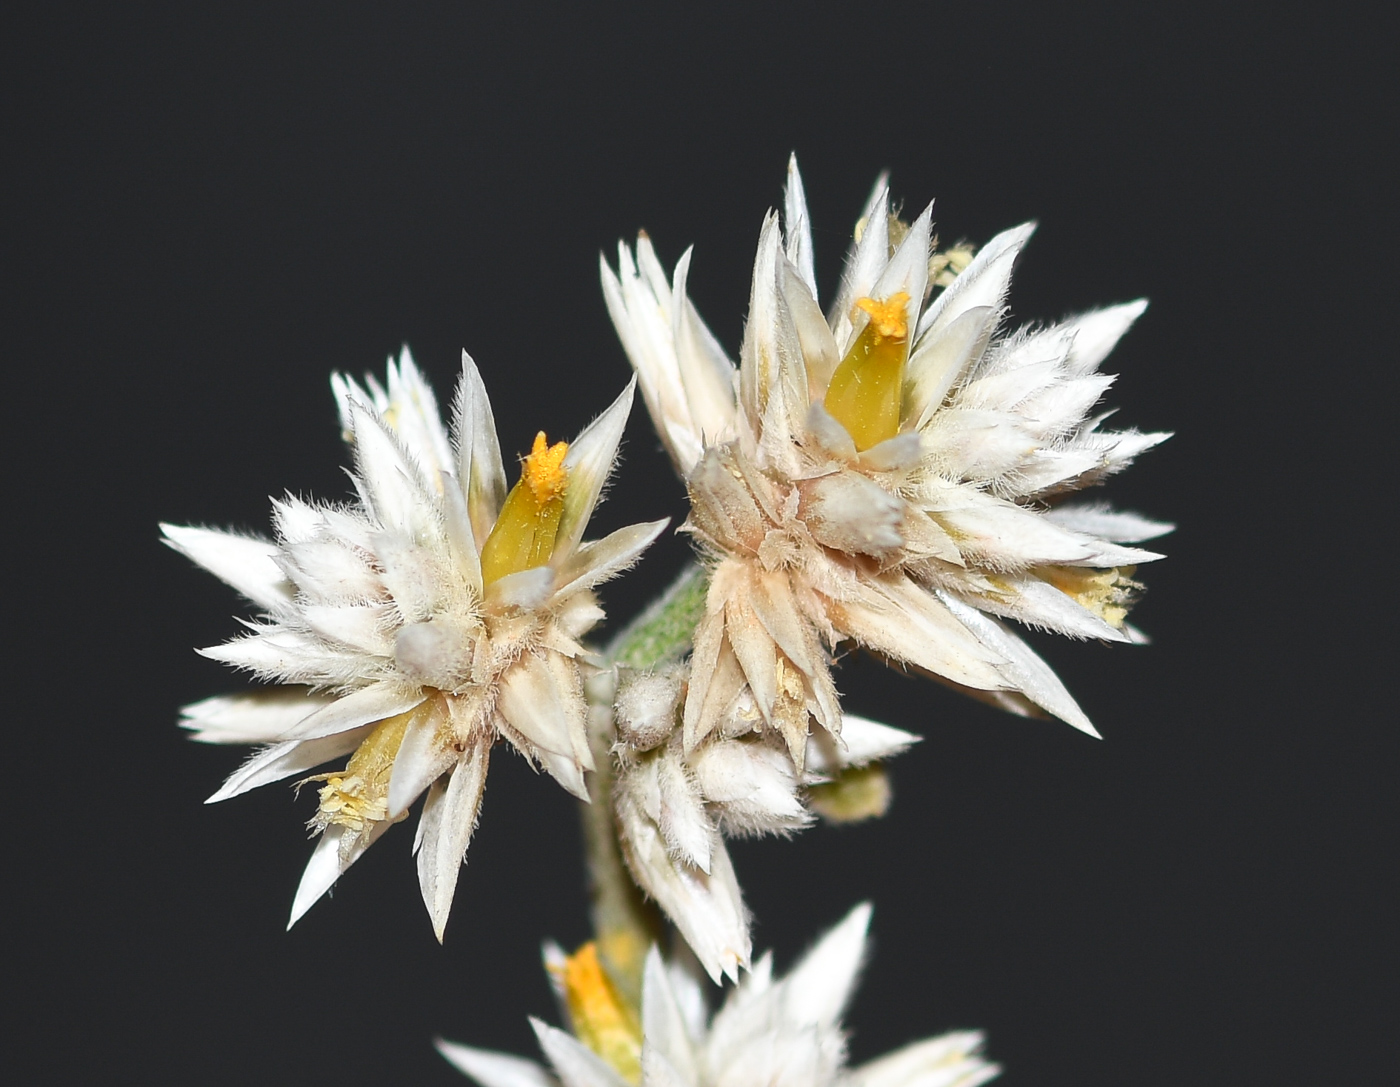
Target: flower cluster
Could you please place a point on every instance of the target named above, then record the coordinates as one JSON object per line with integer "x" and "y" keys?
{"x": 770, "y": 1032}
{"x": 672, "y": 804}
{"x": 418, "y": 625}
{"x": 890, "y": 474}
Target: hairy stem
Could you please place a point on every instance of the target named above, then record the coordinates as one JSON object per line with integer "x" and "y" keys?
{"x": 662, "y": 633}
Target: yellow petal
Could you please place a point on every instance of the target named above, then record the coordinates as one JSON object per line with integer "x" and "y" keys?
{"x": 866, "y": 390}
{"x": 359, "y": 796}
{"x": 1109, "y": 594}
{"x": 602, "y": 1019}
{"x": 856, "y": 794}
{"x": 528, "y": 524}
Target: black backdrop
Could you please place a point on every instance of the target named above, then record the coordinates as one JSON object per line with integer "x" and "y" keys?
{"x": 209, "y": 213}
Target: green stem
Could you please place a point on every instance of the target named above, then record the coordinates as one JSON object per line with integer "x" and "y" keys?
{"x": 662, "y": 633}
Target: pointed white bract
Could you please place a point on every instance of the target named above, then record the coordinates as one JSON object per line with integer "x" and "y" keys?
{"x": 769, "y": 1032}
{"x": 417, "y": 626}
{"x": 889, "y": 474}
{"x": 676, "y": 804}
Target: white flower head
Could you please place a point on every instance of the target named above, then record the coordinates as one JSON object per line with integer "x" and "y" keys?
{"x": 439, "y": 612}
{"x": 676, "y": 805}
{"x": 889, "y": 474}
{"x": 770, "y": 1032}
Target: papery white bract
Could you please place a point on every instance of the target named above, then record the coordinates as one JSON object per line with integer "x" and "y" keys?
{"x": 889, "y": 474}
{"x": 438, "y": 613}
{"x": 676, "y": 805}
{"x": 770, "y": 1032}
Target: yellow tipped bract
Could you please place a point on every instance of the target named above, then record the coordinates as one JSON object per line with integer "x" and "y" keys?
{"x": 855, "y": 794}
{"x": 889, "y": 318}
{"x": 359, "y": 796}
{"x": 524, "y": 535}
{"x": 602, "y": 1019}
{"x": 866, "y": 390}
{"x": 1107, "y": 593}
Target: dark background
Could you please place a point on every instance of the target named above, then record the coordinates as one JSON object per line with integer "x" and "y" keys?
{"x": 209, "y": 213}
